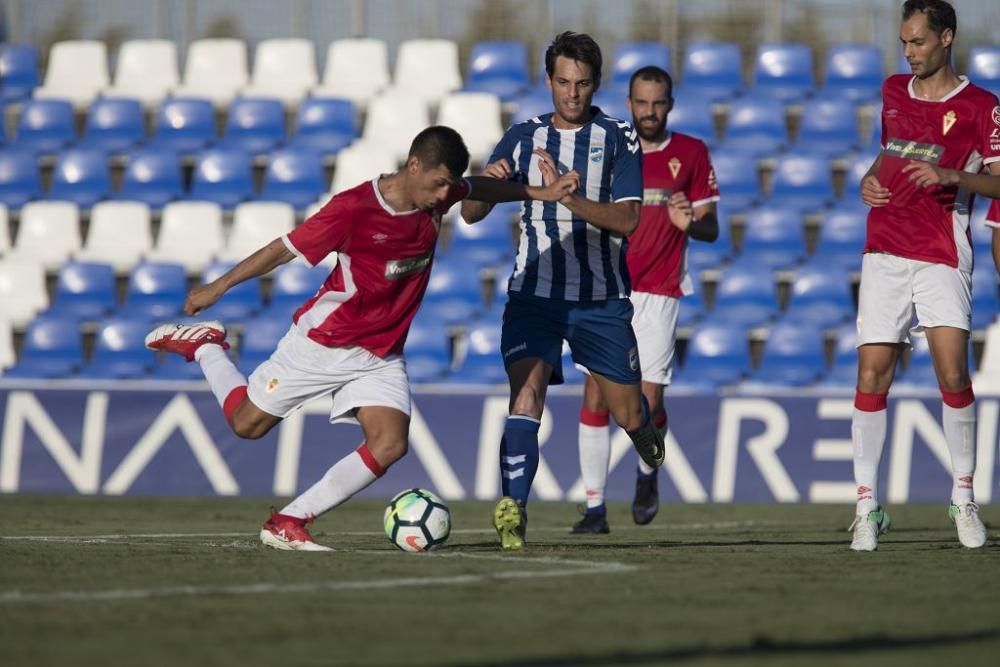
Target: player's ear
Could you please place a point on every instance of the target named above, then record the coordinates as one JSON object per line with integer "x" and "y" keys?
{"x": 412, "y": 164}
{"x": 947, "y": 36}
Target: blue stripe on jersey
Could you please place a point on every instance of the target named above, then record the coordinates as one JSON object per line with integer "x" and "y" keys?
{"x": 527, "y": 229}
{"x": 557, "y": 255}
{"x": 610, "y": 281}
{"x": 580, "y": 246}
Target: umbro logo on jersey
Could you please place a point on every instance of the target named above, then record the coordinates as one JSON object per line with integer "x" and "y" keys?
{"x": 379, "y": 237}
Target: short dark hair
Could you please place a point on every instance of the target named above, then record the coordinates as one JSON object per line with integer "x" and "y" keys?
{"x": 652, "y": 73}
{"x": 575, "y": 46}
{"x": 440, "y": 145}
{"x": 940, "y": 14}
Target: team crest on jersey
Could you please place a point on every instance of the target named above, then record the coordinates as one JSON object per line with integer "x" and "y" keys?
{"x": 596, "y": 153}
{"x": 272, "y": 384}
{"x": 675, "y": 166}
{"x": 947, "y": 121}
{"x": 633, "y": 359}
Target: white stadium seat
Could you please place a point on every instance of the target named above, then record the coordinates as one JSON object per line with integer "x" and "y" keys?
{"x": 255, "y": 224}
{"x": 361, "y": 162}
{"x": 427, "y": 68}
{"x": 283, "y": 69}
{"x": 356, "y": 69}
{"x": 120, "y": 234}
{"x": 393, "y": 121}
{"x": 7, "y": 356}
{"x": 190, "y": 235}
{"x": 22, "y": 289}
{"x": 216, "y": 70}
{"x": 49, "y": 232}
{"x": 146, "y": 70}
{"x": 77, "y": 71}
{"x": 476, "y": 116}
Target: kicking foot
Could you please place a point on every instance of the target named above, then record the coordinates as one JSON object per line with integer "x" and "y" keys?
{"x": 289, "y": 533}
{"x": 185, "y": 339}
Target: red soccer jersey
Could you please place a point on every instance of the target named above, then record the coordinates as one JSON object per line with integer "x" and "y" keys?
{"x": 657, "y": 250}
{"x": 957, "y": 132}
{"x": 383, "y": 264}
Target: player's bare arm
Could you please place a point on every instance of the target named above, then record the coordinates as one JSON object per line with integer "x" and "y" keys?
{"x": 925, "y": 175}
{"x": 265, "y": 260}
{"x": 494, "y": 190}
{"x": 873, "y": 193}
{"x": 475, "y": 210}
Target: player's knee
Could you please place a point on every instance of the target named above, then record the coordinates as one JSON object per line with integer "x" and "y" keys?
{"x": 629, "y": 418}
{"x": 874, "y": 380}
{"x": 527, "y": 402}
{"x": 953, "y": 380}
{"x": 388, "y": 450}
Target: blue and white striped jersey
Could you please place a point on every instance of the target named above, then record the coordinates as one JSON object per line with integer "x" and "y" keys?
{"x": 560, "y": 255}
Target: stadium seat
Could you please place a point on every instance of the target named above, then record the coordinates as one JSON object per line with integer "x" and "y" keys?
{"x": 498, "y": 68}
{"x": 475, "y": 116}
{"x": 875, "y": 134}
{"x": 717, "y": 355}
{"x": 22, "y": 288}
{"x": 394, "y": 120}
{"x": 184, "y": 125}
{"x": 920, "y": 368}
{"x": 45, "y": 126}
{"x": 53, "y": 348}
{"x": 537, "y": 102}
{"x": 146, "y": 71}
{"x": 482, "y": 363}
{"x": 984, "y": 66}
{"x": 156, "y": 291}
{"x": 18, "y": 71}
{"x": 85, "y": 291}
{"x": 254, "y": 125}
{"x": 756, "y": 126}
{"x": 81, "y": 176}
{"x": 611, "y": 100}
{"x": 829, "y": 128}
{"x": 356, "y": 69}
{"x": 784, "y": 71}
{"x": 982, "y": 234}
{"x": 120, "y": 234}
{"x": 325, "y": 125}
{"x": 692, "y": 116}
{"x": 841, "y": 239}
{"x": 451, "y": 296}
{"x": 427, "y": 69}
{"x": 77, "y": 71}
{"x": 294, "y": 284}
{"x": 712, "y": 70}
{"x": 49, "y": 232}
{"x": 152, "y": 177}
{"x": 774, "y": 237}
{"x": 630, "y": 56}
{"x": 793, "y": 356}
{"x": 294, "y": 177}
{"x": 283, "y": 69}
{"x": 260, "y": 337}
{"x": 190, "y": 234}
{"x": 987, "y": 377}
{"x": 802, "y": 182}
{"x": 215, "y": 70}
{"x": 738, "y": 179}
{"x": 361, "y": 162}
{"x": 120, "y": 351}
{"x": 856, "y": 170}
{"x": 7, "y": 355}
{"x": 692, "y": 309}
{"x": 745, "y": 295}
{"x": 255, "y": 224}
{"x": 493, "y": 233}
{"x": 985, "y": 296}
{"x": 428, "y": 349}
{"x": 240, "y": 302}
{"x": 844, "y": 371}
{"x": 20, "y": 181}
{"x": 114, "y": 125}
{"x": 222, "y": 176}
{"x": 853, "y": 72}
{"x": 820, "y": 297}
{"x": 175, "y": 368}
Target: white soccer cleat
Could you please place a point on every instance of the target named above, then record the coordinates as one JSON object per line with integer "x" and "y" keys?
{"x": 289, "y": 534}
{"x": 971, "y": 531}
{"x": 867, "y": 528}
{"x": 185, "y": 339}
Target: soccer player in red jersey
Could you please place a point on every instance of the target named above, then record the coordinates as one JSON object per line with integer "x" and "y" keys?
{"x": 679, "y": 197}
{"x": 918, "y": 257}
{"x": 347, "y": 340}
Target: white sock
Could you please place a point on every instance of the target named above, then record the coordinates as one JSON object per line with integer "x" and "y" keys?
{"x": 348, "y": 476}
{"x": 595, "y": 455}
{"x": 960, "y": 432}
{"x": 220, "y": 372}
{"x": 868, "y": 436}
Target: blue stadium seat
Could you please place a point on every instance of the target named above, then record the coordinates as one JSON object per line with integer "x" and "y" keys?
{"x": 454, "y": 293}
{"x": 856, "y": 170}
{"x": 984, "y": 66}
{"x": 18, "y": 71}
{"x": 222, "y": 176}
{"x": 20, "y": 181}
{"x": 756, "y": 126}
{"x": 692, "y": 308}
{"x": 853, "y": 72}
{"x": 745, "y": 295}
{"x": 45, "y": 126}
{"x": 85, "y": 291}
{"x": 793, "y": 356}
{"x": 802, "y": 182}
{"x": 612, "y": 101}
{"x": 774, "y": 237}
{"x": 844, "y": 372}
{"x": 114, "y": 125}
{"x": 185, "y": 125}
{"x": 294, "y": 176}
{"x": 982, "y": 234}
{"x": 713, "y": 70}
{"x": 842, "y": 238}
{"x": 483, "y": 363}
{"x": 152, "y": 176}
{"x": 240, "y": 302}
{"x": 259, "y": 339}
{"x": 693, "y": 116}
{"x": 784, "y": 71}
{"x": 829, "y": 128}
{"x": 920, "y": 369}
{"x": 486, "y": 243}
{"x": 500, "y": 68}
{"x": 81, "y": 176}
{"x": 738, "y": 179}
{"x": 717, "y": 354}
{"x": 156, "y": 291}
{"x": 428, "y": 349}
{"x": 120, "y": 351}
{"x": 53, "y": 348}
{"x": 325, "y": 125}
{"x": 630, "y": 56}
{"x": 293, "y": 285}
{"x": 173, "y": 367}
{"x": 254, "y": 125}
{"x": 820, "y": 297}
{"x": 537, "y": 102}
{"x": 985, "y": 296}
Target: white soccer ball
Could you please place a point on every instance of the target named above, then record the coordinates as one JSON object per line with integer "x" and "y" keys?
{"x": 417, "y": 520}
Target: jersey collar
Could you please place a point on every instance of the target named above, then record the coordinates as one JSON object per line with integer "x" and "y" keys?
{"x": 664, "y": 144}
{"x": 954, "y": 91}
{"x": 383, "y": 203}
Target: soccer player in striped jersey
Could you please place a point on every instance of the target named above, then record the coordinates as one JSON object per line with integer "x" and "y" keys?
{"x": 570, "y": 282}
{"x": 679, "y": 198}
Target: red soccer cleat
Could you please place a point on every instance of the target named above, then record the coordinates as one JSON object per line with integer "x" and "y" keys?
{"x": 184, "y": 339}
{"x": 289, "y": 533}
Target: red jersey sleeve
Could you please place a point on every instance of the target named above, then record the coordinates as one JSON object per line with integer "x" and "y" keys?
{"x": 993, "y": 215}
{"x": 327, "y": 231}
{"x": 704, "y": 188}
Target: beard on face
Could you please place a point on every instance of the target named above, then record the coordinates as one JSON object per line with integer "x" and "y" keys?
{"x": 650, "y": 131}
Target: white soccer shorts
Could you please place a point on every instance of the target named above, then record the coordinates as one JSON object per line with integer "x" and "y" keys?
{"x": 894, "y": 289}
{"x": 300, "y": 370}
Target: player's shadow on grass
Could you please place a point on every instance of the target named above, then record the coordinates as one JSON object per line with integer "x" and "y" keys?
{"x": 761, "y": 647}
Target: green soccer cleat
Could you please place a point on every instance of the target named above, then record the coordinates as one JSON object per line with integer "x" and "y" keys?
{"x": 867, "y": 529}
{"x": 509, "y": 519}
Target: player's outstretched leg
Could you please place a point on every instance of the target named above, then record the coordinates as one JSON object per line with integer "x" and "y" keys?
{"x": 510, "y": 519}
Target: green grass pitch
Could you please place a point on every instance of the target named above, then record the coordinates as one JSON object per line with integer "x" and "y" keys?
{"x": 96, "y": 581}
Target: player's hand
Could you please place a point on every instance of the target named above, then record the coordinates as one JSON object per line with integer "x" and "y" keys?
{"x": 563, "y": 186}
{"x": 925, "y": 174}
{"x": 499, "y": 169}
{"x": 202, "y": 297}
{"x": 680, "y": 210}
{"x": 547, "y": 166}
{"x": 872, "y": 192}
